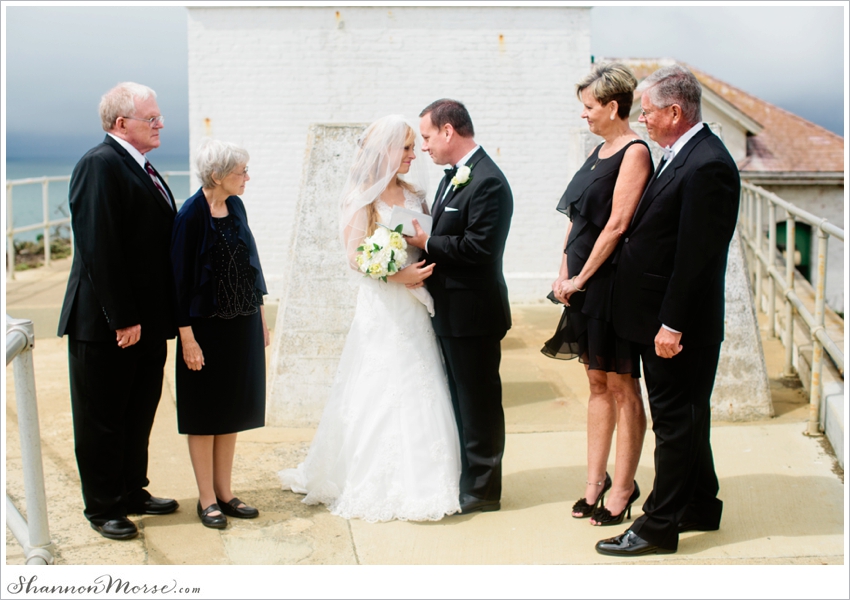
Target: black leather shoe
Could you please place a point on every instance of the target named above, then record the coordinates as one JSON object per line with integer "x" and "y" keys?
{"x": 694, "y": 526}
{"x": 232, "y": 509}
{"x": 469, "y": 504}
{"x": 121, "y": 528}
{"x": 154, "y": 506}
{"x": 218, "y": 521}
{"x": 629, "y": 544}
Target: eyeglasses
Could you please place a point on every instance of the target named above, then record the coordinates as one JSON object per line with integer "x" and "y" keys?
{"x": 153, "y": 121}
{"x": 242, "y": 174}
{"x": 646, "y": 113}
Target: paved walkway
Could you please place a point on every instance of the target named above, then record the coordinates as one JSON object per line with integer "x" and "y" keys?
{"x": 783, "y": 493}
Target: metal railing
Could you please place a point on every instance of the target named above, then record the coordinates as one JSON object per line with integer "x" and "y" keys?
{"x": 46, "y": 223}
{"x": 32, "y": 533}
{"x": 752, "y": 224}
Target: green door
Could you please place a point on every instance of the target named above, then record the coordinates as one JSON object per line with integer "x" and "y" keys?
{"x": 802, "y": 245}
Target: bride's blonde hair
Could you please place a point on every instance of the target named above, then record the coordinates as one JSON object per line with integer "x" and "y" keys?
{"x": 372, "y": 210}
{"x": 377, "y": 159}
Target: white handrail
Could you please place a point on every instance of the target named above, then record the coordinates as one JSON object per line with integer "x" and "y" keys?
{"x": 753, "y": 199}
{"x": 32, "y": 533}
{"x": 45, "y": 223}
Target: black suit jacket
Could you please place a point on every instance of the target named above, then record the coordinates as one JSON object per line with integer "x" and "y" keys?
{"x": 467, "y": 244}
{"x": 121, "y": 274}
{"x": 671, "y": 267}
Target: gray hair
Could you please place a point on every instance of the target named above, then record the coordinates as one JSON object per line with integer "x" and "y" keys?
{"x": 675, "y": 85}
{"x": 219, "y": 159}
{"x": 120, "y": 101}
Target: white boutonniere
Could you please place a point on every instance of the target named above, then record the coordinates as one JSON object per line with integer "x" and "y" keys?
{"x": 462, "y": 177}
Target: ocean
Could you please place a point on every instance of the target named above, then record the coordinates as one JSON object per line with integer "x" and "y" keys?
{"x": 27, "y": 202}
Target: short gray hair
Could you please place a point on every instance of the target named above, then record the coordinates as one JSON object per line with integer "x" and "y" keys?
{"x": 219, "y": 159}
{"x": 120, "y": 101}
{"x": 675, "y": 85}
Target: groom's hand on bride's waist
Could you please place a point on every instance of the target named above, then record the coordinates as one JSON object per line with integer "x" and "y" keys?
{"x": 419, "y": 239}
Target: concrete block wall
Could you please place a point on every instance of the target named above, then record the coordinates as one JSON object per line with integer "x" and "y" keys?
{"x": 260, "y": 76}
{"x": 319, "y": 290}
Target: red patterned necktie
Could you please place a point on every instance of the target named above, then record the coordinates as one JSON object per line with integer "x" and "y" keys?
{"x": 152, "y": 173}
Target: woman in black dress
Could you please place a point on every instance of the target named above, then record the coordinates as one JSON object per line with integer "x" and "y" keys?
{"x": 221, "y": 365}
{"x": 600, "y": 201}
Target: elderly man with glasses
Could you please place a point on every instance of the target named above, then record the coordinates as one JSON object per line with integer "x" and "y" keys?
{"x": 669, "y": 297}
{"x": 119, "y": 310}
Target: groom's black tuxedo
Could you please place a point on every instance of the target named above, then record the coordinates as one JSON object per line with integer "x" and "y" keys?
{"x": 120, "y": 277}
{"x": 472, "y": 314}
{"x": 671, "y": 269}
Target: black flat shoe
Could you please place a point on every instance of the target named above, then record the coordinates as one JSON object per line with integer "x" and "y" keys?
{"x": 629, "y": 544}
{"x": 582, "y": 506}
{"x": 232, "y": 509}
{"x": 469, "y": 504}
{"x": 121, "y": 528}
{"x": 214, "y": 521}
{"x": 603, "y": 516}
{"x": 154, "y": 506}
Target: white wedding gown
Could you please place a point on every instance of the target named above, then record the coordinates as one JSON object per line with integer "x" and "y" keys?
{"x": 387, "y": 444}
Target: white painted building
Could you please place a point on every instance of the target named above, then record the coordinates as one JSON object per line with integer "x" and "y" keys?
{"x": 259, "y": 76}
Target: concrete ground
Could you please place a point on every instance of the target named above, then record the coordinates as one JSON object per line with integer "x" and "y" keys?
{"x": 783, "y": 493}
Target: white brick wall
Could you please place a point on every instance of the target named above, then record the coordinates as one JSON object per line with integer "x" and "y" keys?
{"x": 260, "y": 76}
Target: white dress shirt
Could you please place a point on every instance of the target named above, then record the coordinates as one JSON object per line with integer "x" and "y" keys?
{"x": 137, "y": 156}
{"x": 459, "y": 164}
{"x": 680, "y": 143}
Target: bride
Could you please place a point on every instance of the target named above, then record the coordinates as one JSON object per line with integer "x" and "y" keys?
{"x": 387, "y": 444}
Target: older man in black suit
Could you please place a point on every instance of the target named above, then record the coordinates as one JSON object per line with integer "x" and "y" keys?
{"x": 118, "y": 310}
{"x": 669, "y": 300}
{"x": 471, "y": 219}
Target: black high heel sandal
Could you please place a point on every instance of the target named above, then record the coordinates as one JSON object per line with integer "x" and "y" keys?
{"x": 603, "y": 516}
{"x": 586, "y": 509}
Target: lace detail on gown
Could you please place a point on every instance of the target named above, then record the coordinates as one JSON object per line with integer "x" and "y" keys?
{"x": 387, "y": 444}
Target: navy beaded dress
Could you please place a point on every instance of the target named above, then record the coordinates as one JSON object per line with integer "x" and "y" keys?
{"x": 228, "y": 394}
{"x": 586, "y": 330}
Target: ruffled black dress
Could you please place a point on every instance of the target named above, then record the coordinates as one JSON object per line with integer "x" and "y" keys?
{"x": 586, "y": 330}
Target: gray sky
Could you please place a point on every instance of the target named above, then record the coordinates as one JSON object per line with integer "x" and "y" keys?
{"x": 60, "y": 60}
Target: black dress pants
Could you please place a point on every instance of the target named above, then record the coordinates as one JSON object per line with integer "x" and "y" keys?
{"x": 472, "y": 365}
{"x": 114, "y": 396}
{"x": 685, "y": 486}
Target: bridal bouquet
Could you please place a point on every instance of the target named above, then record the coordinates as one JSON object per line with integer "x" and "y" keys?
{"x": 382, "y": 253}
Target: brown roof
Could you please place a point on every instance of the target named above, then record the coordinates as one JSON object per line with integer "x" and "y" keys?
{"x": 787, "y": 143}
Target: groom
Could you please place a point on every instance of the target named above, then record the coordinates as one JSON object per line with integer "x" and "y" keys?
{"x": 471, "y": 218}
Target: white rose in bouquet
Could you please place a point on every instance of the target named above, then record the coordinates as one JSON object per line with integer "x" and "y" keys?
{"x": 382, "y": 253}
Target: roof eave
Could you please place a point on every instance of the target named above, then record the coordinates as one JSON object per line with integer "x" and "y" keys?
{"x": 794, "y": 177}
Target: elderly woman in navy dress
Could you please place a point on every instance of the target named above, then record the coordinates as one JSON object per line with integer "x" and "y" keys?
{"x": 600, "y": 201}
{"x": 221, "y": 374}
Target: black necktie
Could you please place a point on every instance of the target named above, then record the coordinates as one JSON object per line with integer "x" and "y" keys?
{"x": 660, "y": 166}
{"x": 155, "y": 179}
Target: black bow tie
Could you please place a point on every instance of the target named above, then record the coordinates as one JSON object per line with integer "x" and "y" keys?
{"x": 451, "y": 172}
